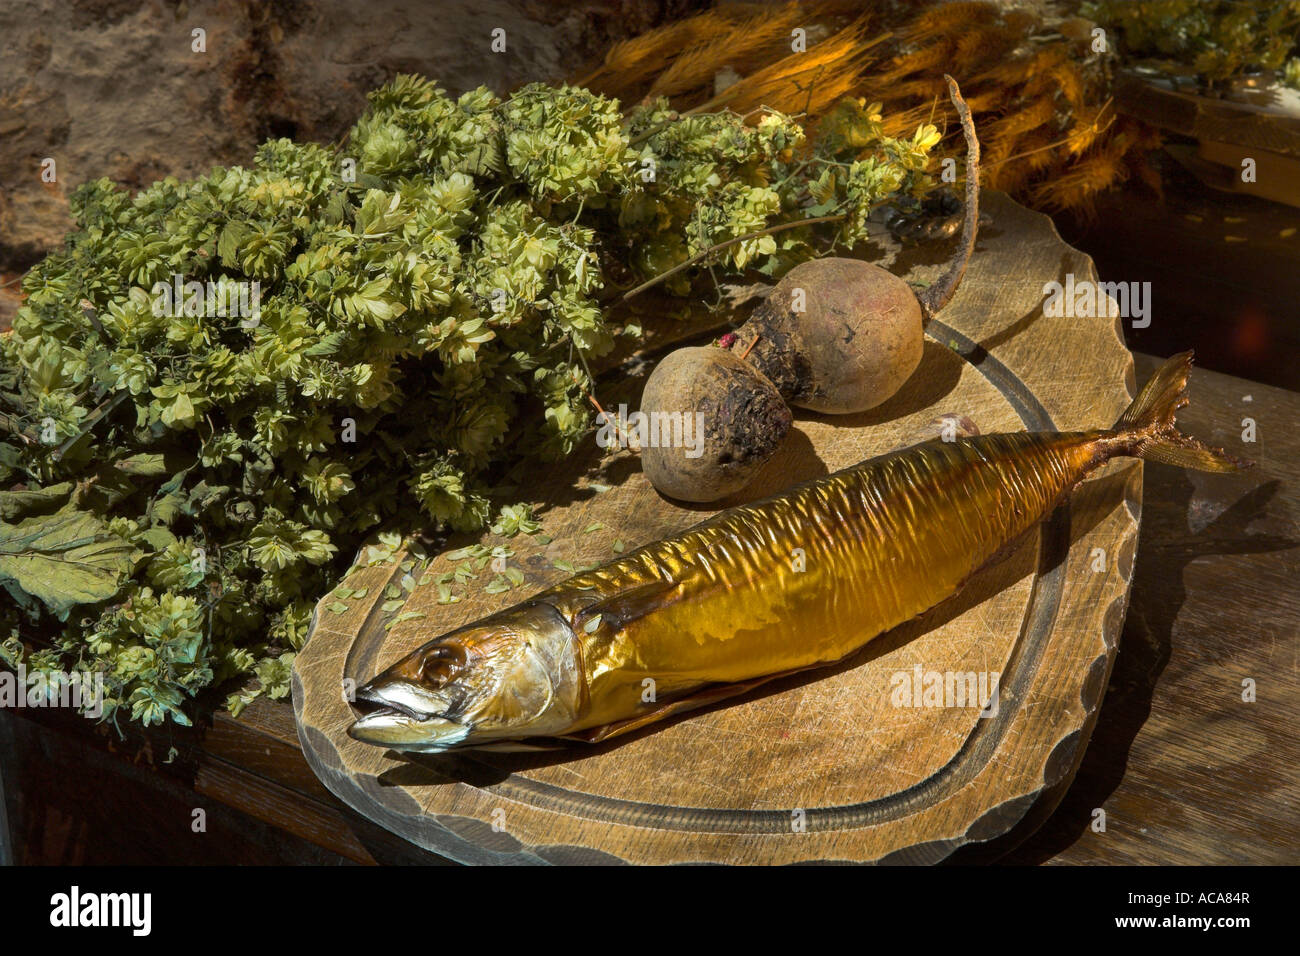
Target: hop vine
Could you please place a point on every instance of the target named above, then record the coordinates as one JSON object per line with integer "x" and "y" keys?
{"x": 223, "y": 386}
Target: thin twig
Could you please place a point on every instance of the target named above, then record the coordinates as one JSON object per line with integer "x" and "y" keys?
{"x": 610, "y": 420}
{"x": 10, "y": 424}
{"x": 88, "y": 310}
{"x": 645, "y": 134}
{"x": 736, "y": 89}
{"x": 592, "y": 379}
{"x": 940, "y": 292}
{"x": 1061, "y": 142}
{"x": 95, "y": 417}
{"x": 701, "y": 256}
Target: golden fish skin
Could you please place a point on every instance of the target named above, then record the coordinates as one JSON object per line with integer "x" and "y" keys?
{"x": 881, "y": 542}
{"x": 798, "y": 580}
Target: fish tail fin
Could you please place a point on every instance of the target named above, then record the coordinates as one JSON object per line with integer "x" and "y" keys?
{"x": 1149, "y": 423}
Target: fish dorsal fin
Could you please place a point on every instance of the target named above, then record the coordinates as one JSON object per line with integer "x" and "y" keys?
{"x": 630, "y": 604}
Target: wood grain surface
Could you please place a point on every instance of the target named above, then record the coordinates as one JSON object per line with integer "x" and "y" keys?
{"x": 1184, "y": 769}
{"x": 1268, "y": 122}
{"x": 822, "y": 767}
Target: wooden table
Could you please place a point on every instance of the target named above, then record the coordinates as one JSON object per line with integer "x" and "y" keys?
{"x": 1184, "y": 769}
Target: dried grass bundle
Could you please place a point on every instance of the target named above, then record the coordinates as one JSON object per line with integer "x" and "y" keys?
{"x": 1009, "y": 130}
{"x": 680, "y": 60}
{"x": 930, "y": 58}
{"x": 808, "y": 82}
{"x": 1097, "y": 170}
{"x": 1040, "y": 98}
{"x": 738, "y": 47}
{"x": 948, "y": 20}
{"x": 633, "y": 64}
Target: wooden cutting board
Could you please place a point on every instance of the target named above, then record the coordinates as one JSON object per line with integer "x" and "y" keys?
{"x": 825, "y": 765}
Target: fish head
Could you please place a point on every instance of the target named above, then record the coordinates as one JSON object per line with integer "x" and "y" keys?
{"x": 512, "y": 675}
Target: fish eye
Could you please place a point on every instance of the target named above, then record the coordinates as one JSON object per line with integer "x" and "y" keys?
{"x": 441, "y": 662}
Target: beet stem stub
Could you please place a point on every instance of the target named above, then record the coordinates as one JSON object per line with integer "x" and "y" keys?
{"x": 940, "y": 293}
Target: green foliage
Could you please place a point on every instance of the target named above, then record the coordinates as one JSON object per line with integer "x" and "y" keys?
{"x": 1217, "y": 40}
{"x": 64, "y": 559}
{"x": 194, "y": 459}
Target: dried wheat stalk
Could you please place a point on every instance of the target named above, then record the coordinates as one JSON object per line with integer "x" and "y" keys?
{"x": 1040, "y": 100}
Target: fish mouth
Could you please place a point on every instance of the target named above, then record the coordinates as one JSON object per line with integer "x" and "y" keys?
{"x": 405, "y": 716}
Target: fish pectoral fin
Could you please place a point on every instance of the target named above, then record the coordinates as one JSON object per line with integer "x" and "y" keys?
{"x": 704, "y": 697}
{"x": 537, "y": 745}
{"x": 618, "y": 610}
